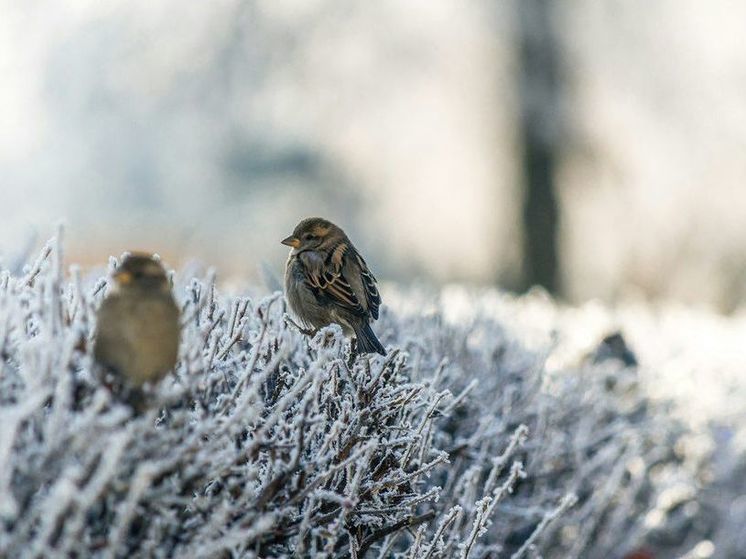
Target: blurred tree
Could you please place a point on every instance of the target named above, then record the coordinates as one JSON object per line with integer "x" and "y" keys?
{"x": 539, "y": 92}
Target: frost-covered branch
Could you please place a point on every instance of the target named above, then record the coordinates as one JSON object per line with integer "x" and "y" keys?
{"x": 265, "y": 443}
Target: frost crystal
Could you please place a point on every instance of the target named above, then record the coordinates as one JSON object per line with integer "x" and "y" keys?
{"x": 264, "y": 443}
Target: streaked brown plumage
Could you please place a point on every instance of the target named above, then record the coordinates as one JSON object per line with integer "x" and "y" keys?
{"x": 327, "y": 280}
{"x": 137, "y": 335}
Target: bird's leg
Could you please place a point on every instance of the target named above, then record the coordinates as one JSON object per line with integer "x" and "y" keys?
{"x": 306, "y": 331}
{"x": 137, "y": 398}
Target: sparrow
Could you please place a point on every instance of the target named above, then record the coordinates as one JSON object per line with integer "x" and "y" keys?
{"x": 138, "y": 331}
{"x": 327, "y": 280}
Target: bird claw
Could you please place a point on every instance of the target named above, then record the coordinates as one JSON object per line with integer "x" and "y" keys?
{"x": 306, "y": 331}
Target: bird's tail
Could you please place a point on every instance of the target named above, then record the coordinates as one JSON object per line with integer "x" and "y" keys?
{"x": 367, "y": 341}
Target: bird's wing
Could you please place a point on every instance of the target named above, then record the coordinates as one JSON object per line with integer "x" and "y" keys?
{"x": 112, "y": 347}
{"x": 328, "y": 278}
{"x": 369, "y": 286}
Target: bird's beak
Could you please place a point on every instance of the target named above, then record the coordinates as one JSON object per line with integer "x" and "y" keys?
{"x": 123, "y": 278}
{"x": 291, "y": 241}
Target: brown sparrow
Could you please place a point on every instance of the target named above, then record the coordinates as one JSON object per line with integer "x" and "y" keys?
{"x": 137, "y": 335}
{"x": 326, "y": 280}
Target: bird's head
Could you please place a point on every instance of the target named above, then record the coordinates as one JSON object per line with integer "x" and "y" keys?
{"x": 141, "y": 271}
{"x": 312, "y": 233}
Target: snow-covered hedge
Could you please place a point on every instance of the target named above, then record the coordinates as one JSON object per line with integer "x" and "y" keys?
{"x": 265, "y": 443}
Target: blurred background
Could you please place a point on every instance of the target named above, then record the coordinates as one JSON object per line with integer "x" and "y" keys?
{"x": 595, "y": 147}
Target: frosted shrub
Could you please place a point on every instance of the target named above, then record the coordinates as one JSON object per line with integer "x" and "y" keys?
{"x": 265, "y": 443}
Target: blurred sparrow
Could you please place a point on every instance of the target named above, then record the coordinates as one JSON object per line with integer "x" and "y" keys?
{"x": 137, "y": 335}
{"x": 326, "y": 280}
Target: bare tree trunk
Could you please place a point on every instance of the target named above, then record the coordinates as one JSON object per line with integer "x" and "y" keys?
{"x": 540, "y": 91}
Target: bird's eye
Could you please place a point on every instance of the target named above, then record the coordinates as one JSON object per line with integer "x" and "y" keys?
{"x": 309, "y": 236}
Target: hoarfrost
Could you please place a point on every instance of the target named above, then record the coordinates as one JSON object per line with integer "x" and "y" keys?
{"x": 264, "y": 443}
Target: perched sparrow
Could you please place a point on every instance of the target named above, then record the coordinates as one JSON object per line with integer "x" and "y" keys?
{"x": 326, "y": 280}
{"x": 138, "y": 323}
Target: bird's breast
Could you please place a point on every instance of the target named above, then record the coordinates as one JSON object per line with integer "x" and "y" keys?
{"x": 304, "y": 303}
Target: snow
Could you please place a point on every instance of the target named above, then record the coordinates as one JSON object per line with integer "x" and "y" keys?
{"x": 485, "y": 430}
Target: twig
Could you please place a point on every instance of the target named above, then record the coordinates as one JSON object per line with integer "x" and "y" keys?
{"x": 383, "y": 532}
